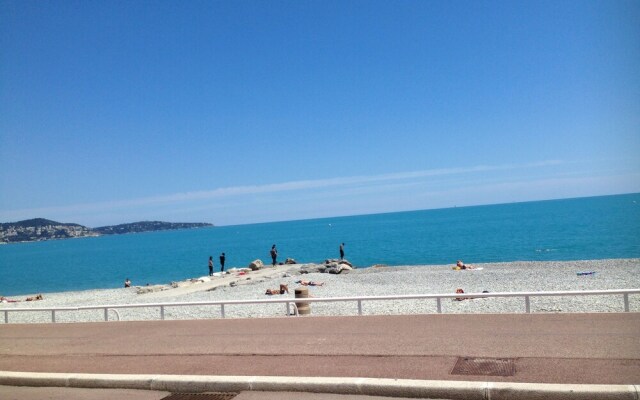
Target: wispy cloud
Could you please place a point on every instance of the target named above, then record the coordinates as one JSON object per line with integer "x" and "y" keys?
{"x": 352, "y": 182}
{"x": 324, "y": 183}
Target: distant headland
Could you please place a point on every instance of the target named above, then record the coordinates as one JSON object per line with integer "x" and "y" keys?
{"x": 39, "y": 229}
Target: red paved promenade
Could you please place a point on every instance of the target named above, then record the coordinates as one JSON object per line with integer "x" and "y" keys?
{"x": 548, "y": 348}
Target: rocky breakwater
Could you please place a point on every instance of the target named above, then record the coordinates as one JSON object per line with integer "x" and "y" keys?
{"x": 255, "y": 272}
{"x": 257, "y": 265}
{"x": 331, "y": 266}
{"x": 335, "y": 266}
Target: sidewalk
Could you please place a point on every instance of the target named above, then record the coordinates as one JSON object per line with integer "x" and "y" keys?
{"x": 545, "y": 348}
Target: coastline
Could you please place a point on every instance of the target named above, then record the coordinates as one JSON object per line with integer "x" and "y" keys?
{"x": 42, "y": 229}
{"x": 371, "y": 281}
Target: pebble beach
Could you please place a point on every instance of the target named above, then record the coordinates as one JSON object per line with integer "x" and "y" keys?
{"x": 242, "y": 284}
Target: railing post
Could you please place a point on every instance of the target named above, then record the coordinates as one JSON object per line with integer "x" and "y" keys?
{"x": 106, "y": 314}
{"x": 439, "y": 305}
{"x": 162, "y": 313}
{"x": 222, "y": 310}
{"x": 626, "y": 302}
{"x": 359, "y": 307}
{"x": 6, "y": 317}
{"x": 53, "y": 316}
{"x": 288, "y": 311}
{"x": 527, "y": 303}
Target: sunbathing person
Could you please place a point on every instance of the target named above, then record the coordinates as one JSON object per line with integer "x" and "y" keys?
{"x": 462, "y": 265}
{"x": 6, "y": 300}
{"x": 460, "y": 298}
{"x": 310, "y": 283}
{"x": 38, "y": 297}
{"x": 283, "y": 289}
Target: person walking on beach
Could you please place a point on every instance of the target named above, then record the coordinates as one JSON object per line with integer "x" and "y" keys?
{"x": 342, "y": 251}
{"x": 222, "y": 258}
{"x": 274, "y": 255}
{"x": 210, "y": 265}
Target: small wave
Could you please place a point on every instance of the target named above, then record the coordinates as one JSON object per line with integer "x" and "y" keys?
{"x": 545, "y": 250}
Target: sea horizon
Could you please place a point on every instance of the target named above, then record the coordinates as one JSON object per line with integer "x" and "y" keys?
{"x": 427, "y": 209}
{"x": 314, "y": 218}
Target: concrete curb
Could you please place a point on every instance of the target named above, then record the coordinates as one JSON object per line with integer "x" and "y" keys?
{"x": 346, "y": 386}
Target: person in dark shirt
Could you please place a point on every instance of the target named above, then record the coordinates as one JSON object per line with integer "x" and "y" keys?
{"x": 274, "y": 255}
{"x": 222, "y": 258}
{"x": 342, "y": 251}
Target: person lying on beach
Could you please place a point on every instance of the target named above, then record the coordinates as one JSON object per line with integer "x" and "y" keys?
{"x": 462, "y": 265}
{"x": 6, "y": 300}
{"x": 310, "y": 283}
{"x": 283, "y": 289}
{"x": 461, "y": 298}
{"x": 38, "y": 297}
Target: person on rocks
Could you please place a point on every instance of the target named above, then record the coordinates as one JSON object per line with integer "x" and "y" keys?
{"x": 274, "y": 255}
{"x": 342, "y": 251}
{"x": 210, "y": 265}
{"x": 222, "y": 258}
{"x": 127, "y": 283}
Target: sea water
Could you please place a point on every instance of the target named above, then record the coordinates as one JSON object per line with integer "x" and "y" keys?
{"x": 573, "y": 229}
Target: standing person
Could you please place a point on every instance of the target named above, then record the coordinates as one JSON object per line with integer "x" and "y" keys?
{"x": 342, "y": 251}
{"x": 274, "y": 255}
{"x": 222, "y": 258}
{"x": 210, "y": 265}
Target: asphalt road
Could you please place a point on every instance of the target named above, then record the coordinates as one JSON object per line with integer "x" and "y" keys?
{"x": 547, "y": 348}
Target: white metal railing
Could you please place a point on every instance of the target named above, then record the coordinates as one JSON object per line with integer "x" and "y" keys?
{"x": 292, "y": 302}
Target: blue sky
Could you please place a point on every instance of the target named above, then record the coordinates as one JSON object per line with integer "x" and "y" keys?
{"x": 249, "y": 111}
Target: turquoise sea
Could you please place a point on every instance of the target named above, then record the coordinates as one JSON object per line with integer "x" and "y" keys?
{"x": 573, "y": 229}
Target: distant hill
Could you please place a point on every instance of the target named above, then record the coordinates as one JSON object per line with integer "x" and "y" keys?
{"x": 147, "y": 226}
{"x": 35, "y": 223}
{"x": 39, "y": 229}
